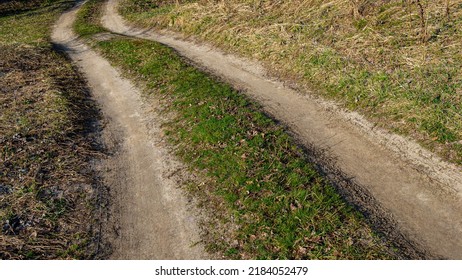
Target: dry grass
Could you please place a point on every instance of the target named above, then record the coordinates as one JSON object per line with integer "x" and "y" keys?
{"x": 13, "y": 6}
{"x": 398, "y": 62}
{"x": 46, "y": 183}
{"x": 48, "y": 189}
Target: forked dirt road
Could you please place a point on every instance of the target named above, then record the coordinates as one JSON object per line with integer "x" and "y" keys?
{"x": 150, "y": 215}
{"x": 408, "y": 192}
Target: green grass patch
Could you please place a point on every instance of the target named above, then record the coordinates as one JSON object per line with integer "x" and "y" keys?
{"x": 282, "y": 207}
{"x": 88, "y": 19}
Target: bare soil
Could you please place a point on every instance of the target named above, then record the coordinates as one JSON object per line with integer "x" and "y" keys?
{"x": 407, "y": 192}
{"x": 151, "y": 217}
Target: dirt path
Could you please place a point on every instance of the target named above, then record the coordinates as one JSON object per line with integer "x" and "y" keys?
{"x": 407, "y": 191}
{"x": 150, "y": 215}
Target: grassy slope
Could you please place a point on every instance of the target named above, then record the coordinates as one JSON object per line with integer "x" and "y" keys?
{"x": 375, "y": 58}
{"x": 46, "y": 184}
{"x": 269, "y": 201}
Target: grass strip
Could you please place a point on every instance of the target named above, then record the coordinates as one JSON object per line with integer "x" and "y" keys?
{"x": 274, "y": 204}
{"x": 283, "y": 208}
{"x": 88, "y": 19}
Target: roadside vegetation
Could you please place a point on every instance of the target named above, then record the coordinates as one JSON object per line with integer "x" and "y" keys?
{"x": 48, "y": 189}
{"x": 267, "y": 201}
{"x": 397, "y": 62}
{"x": 88, "y": 20}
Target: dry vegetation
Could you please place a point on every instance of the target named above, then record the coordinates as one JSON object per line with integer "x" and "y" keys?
{"x": 48, "y": 188}
{"x": 396, "y": 61}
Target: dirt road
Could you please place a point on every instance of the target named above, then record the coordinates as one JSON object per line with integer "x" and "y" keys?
{"x": 151, "y": 218}
{"x": 407, "y": 191}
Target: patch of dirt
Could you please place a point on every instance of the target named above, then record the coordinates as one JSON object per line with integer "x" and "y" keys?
{"x": 151, "y": 217}
{"x": 407, "y": 192}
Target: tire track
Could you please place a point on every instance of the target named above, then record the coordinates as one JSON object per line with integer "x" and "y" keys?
{"x": 151, "y": 217}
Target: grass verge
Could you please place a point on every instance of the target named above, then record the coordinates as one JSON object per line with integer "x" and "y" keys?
{"x": 48, "y": 189}
{"x": 269, "y": 200}
{"x": 395, "y": 61}
{"x": 88, "y": 19}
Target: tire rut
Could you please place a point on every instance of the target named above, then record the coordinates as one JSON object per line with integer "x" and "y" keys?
{"x": 151, "y": 217}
